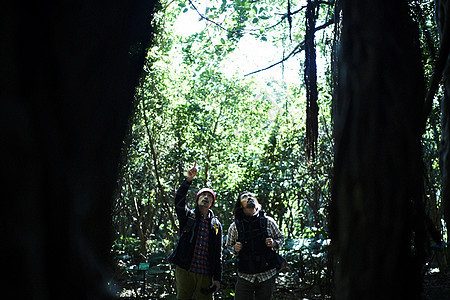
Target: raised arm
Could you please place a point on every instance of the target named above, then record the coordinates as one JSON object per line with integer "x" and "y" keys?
{"x": 180, "y": 197}
{"x": 192, "y": 172}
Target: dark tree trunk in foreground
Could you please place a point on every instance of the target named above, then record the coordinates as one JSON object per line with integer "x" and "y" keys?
{"x": 378, "y": 183}
{"x": 445, "y": 157}
{"x": 442, "y": 14}
{"x": 69, "y": 70}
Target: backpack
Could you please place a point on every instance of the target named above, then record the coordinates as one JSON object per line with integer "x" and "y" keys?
{"x": 189, "y": 226}
{"x": 190, "y": 223}
{"x": 188, "y": 229}
{"x": 281, "y": 262}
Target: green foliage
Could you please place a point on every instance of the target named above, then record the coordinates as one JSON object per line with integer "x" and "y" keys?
{"x": 244, "y": 135}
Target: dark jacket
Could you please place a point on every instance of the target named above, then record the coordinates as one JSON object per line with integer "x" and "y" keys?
{"x": 255, "y": 257}
{"x": 182, "y": 255}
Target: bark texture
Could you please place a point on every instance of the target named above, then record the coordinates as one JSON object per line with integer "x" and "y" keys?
{"x": 69, "y": 69}
{"x": 378, "y": 179}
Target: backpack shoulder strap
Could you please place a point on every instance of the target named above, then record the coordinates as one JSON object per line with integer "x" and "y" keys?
{"x": 240, "y": 229}
{"x": 263, "y": 224}
{"x": 190, "y": 223}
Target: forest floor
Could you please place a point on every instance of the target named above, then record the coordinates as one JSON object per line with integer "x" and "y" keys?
{"x": 436, "y": 287}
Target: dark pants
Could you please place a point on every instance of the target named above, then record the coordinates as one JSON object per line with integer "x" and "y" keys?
{"x": 246, "y": 290}
{"x": 190, "y": 284}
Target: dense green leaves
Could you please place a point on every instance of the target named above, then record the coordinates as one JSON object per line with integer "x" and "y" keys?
{"x": 242, "y": 134}
{"x": 246, "y": 133}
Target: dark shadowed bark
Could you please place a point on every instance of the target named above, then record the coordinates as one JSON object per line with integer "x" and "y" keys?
{"x": 378, "y": 180}
{"x": 69, "y": 70}
{"x": 445, "y": 155}
{"x": 310, "y": 76}
{"x": 443, "y": 17}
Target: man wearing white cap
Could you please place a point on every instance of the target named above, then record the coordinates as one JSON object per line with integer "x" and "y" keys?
{"x": 198, "y": 254}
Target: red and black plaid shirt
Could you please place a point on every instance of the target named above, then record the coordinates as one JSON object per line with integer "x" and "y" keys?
{"x": 200, "y": 258}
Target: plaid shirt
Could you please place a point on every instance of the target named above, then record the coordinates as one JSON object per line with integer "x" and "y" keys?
{"x": 200, "y": 257}
{"x": 273, "y": 231}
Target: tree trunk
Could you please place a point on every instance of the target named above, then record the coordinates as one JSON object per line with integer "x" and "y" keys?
{"x": 310, "y": 76}
{"x": 442, "y": 14}
{"x": 378, "y": 180}
{"x": 445, "y": 157}
{"x": 161, "y": 196}
{"x": 69, "y": 70}
{"x": 139, "y": 219}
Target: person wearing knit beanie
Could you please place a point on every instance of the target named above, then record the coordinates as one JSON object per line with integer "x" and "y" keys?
{"x": 198, "y": 254}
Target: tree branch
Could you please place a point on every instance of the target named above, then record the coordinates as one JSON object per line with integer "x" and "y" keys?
{"x": 300, "y": 47}
{"x": 283, "y": 16}
{"x": 209, "y": 20}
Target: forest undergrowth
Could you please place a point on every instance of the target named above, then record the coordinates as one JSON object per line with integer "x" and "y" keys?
{"x": 289, "y": 285}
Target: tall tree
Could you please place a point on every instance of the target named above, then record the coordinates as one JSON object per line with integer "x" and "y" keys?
{"x": 67, "y": 85}
{"x": 443, "y": 16}
{"x": 310, "y": 75}
{"x": 378, "y": 180}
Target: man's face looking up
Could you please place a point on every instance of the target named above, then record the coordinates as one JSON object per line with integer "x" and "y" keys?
{"x": 205, "y": 199}
{"x": 248, "y": 200}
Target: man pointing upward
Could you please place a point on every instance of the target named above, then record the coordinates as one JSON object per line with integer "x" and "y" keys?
{"x": 198, "y": 254}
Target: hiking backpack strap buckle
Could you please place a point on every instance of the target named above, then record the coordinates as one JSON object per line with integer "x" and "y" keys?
{"x": 189, "y": 226}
